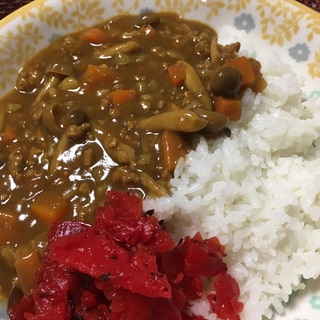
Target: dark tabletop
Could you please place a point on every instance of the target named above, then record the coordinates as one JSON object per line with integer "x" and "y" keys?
{"x": 7, "y": 6}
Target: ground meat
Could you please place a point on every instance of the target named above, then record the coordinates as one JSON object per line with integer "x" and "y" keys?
{"x": 30, "y": 78}
{"x": 76, "y": 132}
{"x": 125, "y": 175}
{"x": 34, "y": 156}
{"x": 229, "y": 51}
{"x": 15, "y": 164}
{"x": 71, "y": 46}
{"x": 203, "y": 43}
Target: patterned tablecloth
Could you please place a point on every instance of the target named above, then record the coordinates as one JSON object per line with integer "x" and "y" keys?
{"x": 312, "y": 4}
{"x": 7, "y": 6}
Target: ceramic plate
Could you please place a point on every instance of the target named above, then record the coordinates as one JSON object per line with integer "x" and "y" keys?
{"x": 283, "y": 26}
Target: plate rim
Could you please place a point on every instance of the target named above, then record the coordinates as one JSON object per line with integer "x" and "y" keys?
{"x": 35, "y": 3}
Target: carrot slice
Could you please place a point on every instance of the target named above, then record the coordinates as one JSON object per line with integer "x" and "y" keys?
{"x": 244, "y": 66}
{"x": 229, "y": 107}
{"x": 177, "y": 74}
{"x": 123, "y": 96}
{"x": 50, "y": 207}
{"x": 172, "y": 149}
{"x": 260, "y": 83}
{"x": 94, "y": 35}
{"x": 8, "y": 230}
{"x": 98, "y": 74}
{"x": 10, "y": 134}
{"x": 26, "y": 268}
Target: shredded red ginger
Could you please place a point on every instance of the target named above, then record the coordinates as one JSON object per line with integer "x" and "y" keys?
{"x": 126, "y": 266}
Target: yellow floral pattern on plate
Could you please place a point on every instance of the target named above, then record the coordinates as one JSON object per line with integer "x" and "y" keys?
{"x": 279, "y": 24}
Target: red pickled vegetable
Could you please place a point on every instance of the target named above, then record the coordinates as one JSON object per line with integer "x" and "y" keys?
{"x": 126, "y": 266}
{"x": 225, "y": 301}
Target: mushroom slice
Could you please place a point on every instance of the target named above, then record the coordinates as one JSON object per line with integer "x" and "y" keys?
{"x": 214, "y": 52}
{"x": 55, "y": 74}
{"x": 62, "y": 69}
{"x": 148, "y": 18}
{"x": 178, "y": 120}
{"x": 118, "y": 150}
{"x": 155, "y": 188}
{"x": 62, "y": 146}
{"x": 49, "y": 120}
{"x": 123, "y": 47}
{"x": 216, "y": 121}
{"x": 193, "y": 83}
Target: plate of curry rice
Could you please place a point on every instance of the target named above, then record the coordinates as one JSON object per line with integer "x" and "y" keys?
{"x": 160, "y": 159}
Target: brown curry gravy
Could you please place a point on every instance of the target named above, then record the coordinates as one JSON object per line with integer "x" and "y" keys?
{"x": 61, "y": 126}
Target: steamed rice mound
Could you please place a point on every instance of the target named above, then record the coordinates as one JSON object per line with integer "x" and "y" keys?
{"x": 258, "y": 192}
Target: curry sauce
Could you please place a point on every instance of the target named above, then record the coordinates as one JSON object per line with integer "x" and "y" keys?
{"x": 111, "y": 107}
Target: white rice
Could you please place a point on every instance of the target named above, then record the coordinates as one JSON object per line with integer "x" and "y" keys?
{"x": 258, "y": 192}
